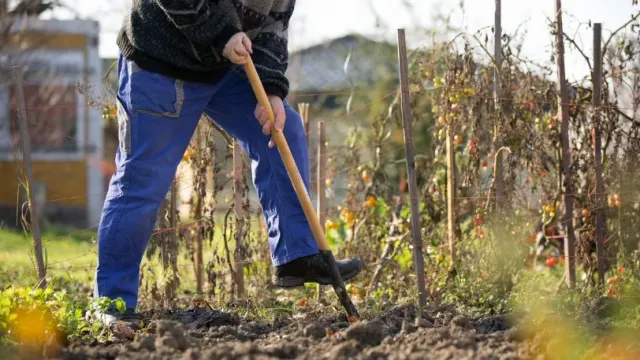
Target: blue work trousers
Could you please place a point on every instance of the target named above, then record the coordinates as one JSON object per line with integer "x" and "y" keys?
{"x": 157, "y": 116}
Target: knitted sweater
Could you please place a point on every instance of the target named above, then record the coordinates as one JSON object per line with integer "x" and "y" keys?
{"x": 184, "y": 39}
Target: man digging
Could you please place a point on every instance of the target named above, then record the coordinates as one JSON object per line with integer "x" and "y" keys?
{"x": 180, "y": 59}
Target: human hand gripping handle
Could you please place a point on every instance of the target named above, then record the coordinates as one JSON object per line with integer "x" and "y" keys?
{"x": 267, "y": 121}
{"x": 238, "y": 49}
{"x": 301, "y": 192}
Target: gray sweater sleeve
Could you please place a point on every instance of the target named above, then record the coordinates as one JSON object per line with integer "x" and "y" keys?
{"x": 270, "y": 52}
{"x": 200, "y": 21}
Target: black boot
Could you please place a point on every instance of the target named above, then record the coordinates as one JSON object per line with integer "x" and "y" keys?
{"x": 313, "y": 269}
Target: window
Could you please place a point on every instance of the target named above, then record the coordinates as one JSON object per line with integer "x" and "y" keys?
{"x": 51, "y": 117}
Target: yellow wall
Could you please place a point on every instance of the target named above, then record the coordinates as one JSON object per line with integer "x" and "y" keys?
{"x": 49, "y": 40}
{"x": 65, "y": 181}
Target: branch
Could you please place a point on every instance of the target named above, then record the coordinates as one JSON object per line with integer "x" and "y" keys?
{"x": 613, "y": 34}
{"x": 573, "y": 42}
{"x": 560, "y": 283}
{"x": 388, "y": 253}
{"x": 530, "y": 62}
{"x": 621, "y": 113}
{"x": 106, "y": 75}
{"x": 493, "y": 180}
{"x": 607, "y": 142}
{"x": 225, "y": 237}
{"x": 493, "y": 60}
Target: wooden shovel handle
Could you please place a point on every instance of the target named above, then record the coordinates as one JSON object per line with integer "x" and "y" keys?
{"x": 287, "y": 158}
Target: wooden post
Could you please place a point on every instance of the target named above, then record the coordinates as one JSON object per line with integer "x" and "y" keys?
{"x": 199, "y": 203}
{"x": 238, "y": 191}
{"x": 411, "y": 168}
{"x": 173, "y": 219}
{"x": 26, "y": 158}
{"x": 167, "y": 242}
{"x": 451, "y": 193}
{"x": 85, "y": 121}
{"x": 303, "y": 109}
{"x": 199, "y": 264}
{"x": 497, "y": 92}
{"x": 307, "y": 125}
{"x": 597, "y": 140}
{"x": 563, "y": 108}
{"x": 320, "y": 180}
{"x": 169, "y": 257}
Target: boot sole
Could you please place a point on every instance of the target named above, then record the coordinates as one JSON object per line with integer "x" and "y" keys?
{"x": 292, "y": 281}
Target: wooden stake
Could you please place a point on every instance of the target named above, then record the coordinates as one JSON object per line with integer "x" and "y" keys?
{"x": 173, "y": 221}
{"x": 307, "y": 125}
{"x": 451, "y": 194}
{"x": 238, "y": 191}
{"x": 168, "y": 244}
{"x": 320, "y": 180}
{"x": 301, "y": 112}
{"x": 563, "y": 107}
{"x": 303, "y": 109}
{"x": 199, "y": 246}
{"x": 169, "y": 251}
{"x": 418, "y": 259}
{"x": 199, "y": 264}
{"x": 26, "y": 157}
{"x": 497, "y": 92}
{"x": 597, "y": 140}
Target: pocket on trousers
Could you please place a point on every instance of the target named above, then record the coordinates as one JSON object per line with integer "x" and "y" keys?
{"x": 155, "y": 94}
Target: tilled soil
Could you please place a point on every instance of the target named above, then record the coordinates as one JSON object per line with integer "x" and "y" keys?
{"x": 395, "y": 334}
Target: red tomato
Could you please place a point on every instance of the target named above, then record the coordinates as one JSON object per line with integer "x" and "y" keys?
{"x": 550, "y": 262}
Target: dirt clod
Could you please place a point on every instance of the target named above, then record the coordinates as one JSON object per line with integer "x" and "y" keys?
{"x": 366, "y": 332}
{"x": 461, "y": 321}
{"x": 144, "y": 342}
{"x": 491, "y": 324}
{"x": 346, "y": 350}
{"x": 423, "y": 323}
{"x": 166, "y": 342}
{"x": 171, "y": 334}
{"x": 210, "y": 318}
{"x": 191, "y": 354}
{"x": 407, "y": 327}
{"x": 315, "y": 330}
